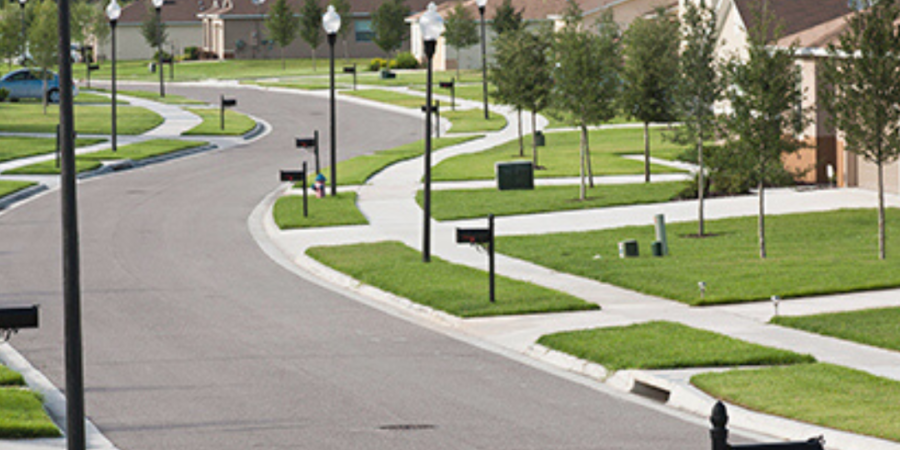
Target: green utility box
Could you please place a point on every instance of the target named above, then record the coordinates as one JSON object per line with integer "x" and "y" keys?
{"x": 515, "y": 175}
{"x": 539, "y": 139}
{"x": 388, "y": 75}
{"x": 628, "y": 249}
{"x": 657, "y": 249}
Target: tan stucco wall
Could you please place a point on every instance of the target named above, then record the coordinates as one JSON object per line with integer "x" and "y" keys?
{"x": 624, "y": 13}
{"x": 868, "y": 176}
{"x": 131, "y": 44}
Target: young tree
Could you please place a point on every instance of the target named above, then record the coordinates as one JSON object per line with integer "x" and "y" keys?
{"x": 154, "y": 31}
{"x": 586, "y": 77}
{"x": 505, "y": 75}
{"x": 98, "y": 26}
{"x": 651, "y": 63}
{"x": 506, "y": 18}
{"x": 342, "y": 7}
{"x": 10, "y": 35}
{"x": 460, "y": 31}
{"x": 698, "y": 87}
{"x": 861, "y": 91}
{"x": 282, "y": 25}
{"x": 43, "y": 39}
{"x": 311, "y": 26}
{"x": 766, "y": 98}
{"x": 389, "y": 25}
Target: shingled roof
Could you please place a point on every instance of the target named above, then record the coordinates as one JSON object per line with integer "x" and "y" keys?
{"x": 531, "y": 9}
{"x": 794, "y": 16}
{"x": 357, "y": 7}
{"x": 172, "y": 10}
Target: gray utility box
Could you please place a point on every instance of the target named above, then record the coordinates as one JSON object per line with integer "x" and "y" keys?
{"x": 515, "y": 175}
{"x": 628, "y": 249}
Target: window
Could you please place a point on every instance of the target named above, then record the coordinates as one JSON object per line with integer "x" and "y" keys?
{"x": 363, "y": 30}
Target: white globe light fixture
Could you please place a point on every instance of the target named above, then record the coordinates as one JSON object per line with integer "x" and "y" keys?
{"x": 481, "y": 3}
{"x": 22, "y": 3}
{"x": 431, "y": 24}
{"x": 331, "y": 21}
{"x": 113, "y": 11}
{"x": 157, "y": 3}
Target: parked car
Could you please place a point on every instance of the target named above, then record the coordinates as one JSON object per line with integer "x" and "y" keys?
{"x": 27, "y": 83}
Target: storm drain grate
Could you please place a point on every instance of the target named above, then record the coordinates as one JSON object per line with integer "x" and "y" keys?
{"x": 407, "y": 427}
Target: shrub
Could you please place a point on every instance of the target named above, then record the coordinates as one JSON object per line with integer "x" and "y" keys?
{"x": 191, "y": 53}
{"x": 405, "y": 60}
{"x": 166, "y": 56}
{"x": 377, "y": 63}
{"x": 730, "y": 172}
{"x": 4, "y": 93}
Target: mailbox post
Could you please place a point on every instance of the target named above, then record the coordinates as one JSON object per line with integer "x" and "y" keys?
{"x": 293, "y": 176}
{"x": 313, "y": 142}
{"x": 436, "y": 110}
{"x": 475, "y": 236}
{"x": 90, "y": 68}
{"x": 351, "y": 69}
{"x": 452, "y": 86}
{"x": 224, "y": 103}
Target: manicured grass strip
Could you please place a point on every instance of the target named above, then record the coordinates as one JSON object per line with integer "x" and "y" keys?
{"x": 89, "y": 98}
{"x": 311, "y": 85}
{"x": 89, "y": 119}
{"x": 143, "y": 150}
{"x": 469, "y": 203}
{"x": 11, "y": 187}
{"x": 214, "y": 69}
{"x": 665, "y": 345}
{"x": 875, "y": 327}
{"x": 561, "y": 156}
{"x": 168, "y": 99}
{"x": 22, "y": 416}
{"x": 357, "y": 170}
{"x": 472, "y": 120}
{"x": 236, "y": 124}
{"x": 458, "y": 290}
{"x": 12, "y": 147}
{"x": 553, "y": 123}
{"x": 49, "y": 167}
{"x": 323, "y": 212}
{"x": 389, "y": 97}
{"x": 808, "y": 254}
{"x": 9, "y": 377}
{"x": 822, "y": 394}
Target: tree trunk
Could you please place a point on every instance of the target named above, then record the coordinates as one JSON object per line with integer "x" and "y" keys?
{"x": 282, "y": 59}
{"x": 346, "y": 52}
{"x": 701, "y": 186}
{"x": 646, "y": 152}
{"x": 521, "y": 137}
{"x": 534, "y": 150}
{"x": 587, "y": 152}
{"x": 881, "y": 237}
{"x": 584, "y": 146}
{"x": 762, "y": 219}
{"x": 457, "y": 63}
{"x": 314, "y": 60}
{"x": 44, "y": 90}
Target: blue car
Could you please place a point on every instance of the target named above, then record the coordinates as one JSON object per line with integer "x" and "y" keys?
{"x": 27, "y": 83}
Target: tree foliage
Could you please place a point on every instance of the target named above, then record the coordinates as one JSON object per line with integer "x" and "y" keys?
{"x": 586, "y": 77}
{"x": 766, "y": 105}
{"x": 342, "y": 8}
{"x": 10, "y": 35}
{"x": 154, "y": 31}
{"x": 861, "y": 91}
{"x": 283, "y": 25}
{"x": 43, "y": 42}
{"x": 311, "y": 26}
{"x": 506, "y": 18}
{"x": 460, "y": 31}
{"x": 389, "y": 25}
{"x": 650, "y": 47}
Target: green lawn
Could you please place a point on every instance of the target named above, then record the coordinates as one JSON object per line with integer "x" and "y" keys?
{"x": 466, "y": 90}
{"x": 472, "y": 120}
{"x": 875, "y": 327}
{"x": 458, "y": 290}
{"x": 202, "y": 70}
{"x": 49, "y": 167}
{"x": 22, "y": 416}
{"x": 389, "y": 97}
{"x": 560, "y": 157}
{"x": 638, "y": 347}
{"x": 808, "y": 254}
{"x": 822, "y": 394}
{"x": 323, "y": 212}
{"x": 91, "y": 98}
{"x": 171, "y": 99}
{"x": 469, "y": 203}
{"x": 12, "y": 147}
{"x": 9, "y": 377}
{"x": 555, "y": 123}
{"x": 356, "y": 171}
{"x": 236, "y": 124}
{"x": 89, "y": 119}
{"x": 313, "y": 84}
{"x": 7, "y": 188}
{"x": 142, "y": 150}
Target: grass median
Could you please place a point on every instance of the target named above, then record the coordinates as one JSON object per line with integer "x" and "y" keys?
{"x": 22, "y": 413}
{"x": 561, "y": 156}
{"x": 875, "y": 327}
{"x": 170, "y": 99}
{"x": 9, "y": 188}
{"x": 808, "y": 254}
{"x": 14, "y": 147}
{"x": 89, "y": 119}
{"x": 389, "y": 97}
{"x": 455, "y": 289}
{"x": 214, "y": 69}
{"x": 472, "y": 121}
{"x": 92, "y": 161}
{"x": 323, "y": 212}
{"x": 822, "y": 394}
{"x": 470, "y": 203}
{"x": 236, "y": 124}
{"x": 641, "y": 347}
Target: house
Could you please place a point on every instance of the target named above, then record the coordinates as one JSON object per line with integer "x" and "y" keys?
{"x": 236, "y": 29}
{"x": 180, "y": 16}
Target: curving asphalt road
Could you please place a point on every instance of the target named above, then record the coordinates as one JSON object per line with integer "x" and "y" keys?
{"x": 195, "y": 339}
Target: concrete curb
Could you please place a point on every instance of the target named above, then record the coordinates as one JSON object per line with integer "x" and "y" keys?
{"x": 18, "y": 196}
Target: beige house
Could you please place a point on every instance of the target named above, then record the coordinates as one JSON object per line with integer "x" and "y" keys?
{"x": 180, "y": 16}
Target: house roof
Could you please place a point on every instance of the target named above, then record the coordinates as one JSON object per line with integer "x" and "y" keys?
{"x": 796, "y": 16}
{"x": 172, "y": 10}
{"x": 357, "y": 7}
{"x": 531, "y": 9}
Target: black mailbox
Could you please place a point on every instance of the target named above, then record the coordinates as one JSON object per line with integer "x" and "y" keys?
{"x": 229, "y": 102}
{"x": 17, "y": 318}
{"x": 447, "y": 84}
{"x": 349, "y": 69}
{"x": 305, "y": 142}
{"x": 473, "y": 235}
{"x": 292, "y": 175}
{"x": 94, "y": 67}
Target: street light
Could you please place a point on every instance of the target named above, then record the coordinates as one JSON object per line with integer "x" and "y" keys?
{"x": 258, "y": 3}
{"x": 432, "y": 26}
{"x": 24, "y": 37}
{"x": 113, "y": 11}
{"x": 481, "y": 5}
{"x": 159, "y": 36}
{"x": 331, "y": 21}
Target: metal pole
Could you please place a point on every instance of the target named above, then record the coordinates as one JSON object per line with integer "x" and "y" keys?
{"x": 24, "y": 36}
{"x": 159, "y": 34}
{"x": 75, "y": 430}
{"x": 426, "y": 233}
{"x": 305, "y": 175}
{"x": 221, "y": 112}
{"x": 491, "y": 257}
{"x": 316, "y": 135}
{"x": 172, "y": 65}
{"x": 57, "y": 146}
{"x": 453, "y": 94}
{"x": 483, "y": 63}
{"x": 115, "y": 147}
{"x": 354, "y": 76}
{"x": 331, "y": 39}
{"x": 437, "y": 119}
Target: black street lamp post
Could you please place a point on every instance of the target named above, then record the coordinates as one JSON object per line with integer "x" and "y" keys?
{"x": 159, "y": 63}
{"x": 331, "y": 21}
{"x": 113, "y": 11}
{"x": 432, "y": 26}
{"x": 481, "y": 5}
